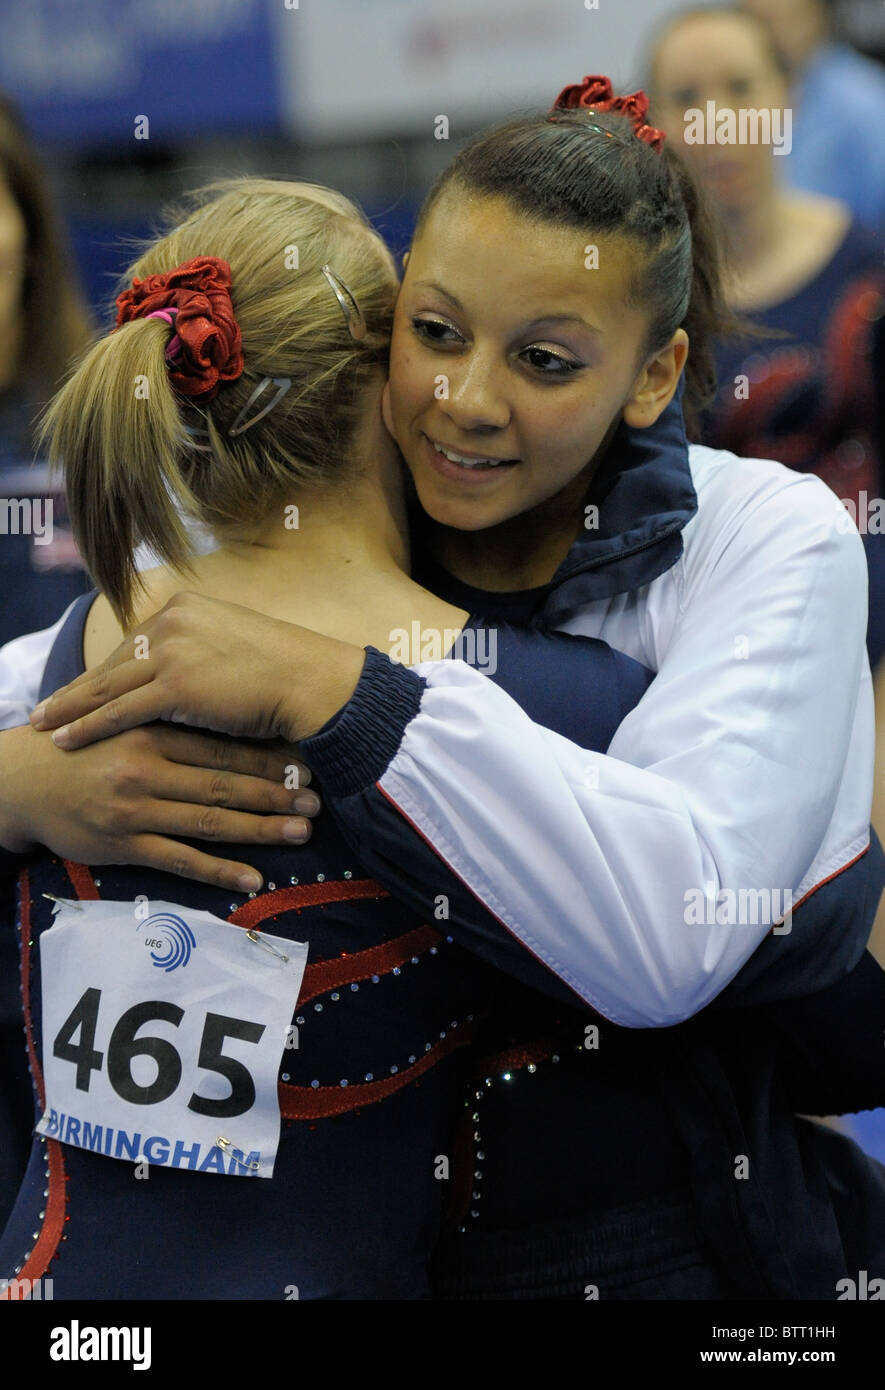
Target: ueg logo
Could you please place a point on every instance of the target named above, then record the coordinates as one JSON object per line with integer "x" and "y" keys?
{"x": 169, "y": 939}
{"x": 479, "y": 648}
{"x": 76, "y": 1343}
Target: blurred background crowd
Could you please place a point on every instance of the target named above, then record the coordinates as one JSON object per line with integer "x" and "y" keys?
{"x": 112, "y": 108}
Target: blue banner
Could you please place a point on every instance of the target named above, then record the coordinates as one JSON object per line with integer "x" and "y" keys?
{"x": 107, "y": 72}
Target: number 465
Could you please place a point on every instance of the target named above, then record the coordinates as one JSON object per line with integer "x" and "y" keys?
{"x": 124, "y": 1045}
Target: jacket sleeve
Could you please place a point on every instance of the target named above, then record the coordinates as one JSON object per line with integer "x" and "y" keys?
{"x": 22, "y": 663}
{"x": 746, "y": 768}
{"x": 538, "y": 670}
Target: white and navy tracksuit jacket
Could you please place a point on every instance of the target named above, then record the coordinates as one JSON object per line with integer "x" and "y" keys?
{"x": 744, "y": 774}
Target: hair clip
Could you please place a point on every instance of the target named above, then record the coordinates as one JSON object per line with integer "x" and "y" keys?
{"x": 282, "y": 383}
{"x": 191, "y": 440}
{"x": 356, "y": 322}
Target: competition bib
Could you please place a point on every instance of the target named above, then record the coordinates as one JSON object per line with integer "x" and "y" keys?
{"x": 163, "y": 1030}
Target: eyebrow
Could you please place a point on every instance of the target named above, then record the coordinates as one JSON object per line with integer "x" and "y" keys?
{"x": 535, "y": 323}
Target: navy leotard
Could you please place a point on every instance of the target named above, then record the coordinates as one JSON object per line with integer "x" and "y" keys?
{"x": 353, "y": 1207}
{"x": 369, "y": 1099}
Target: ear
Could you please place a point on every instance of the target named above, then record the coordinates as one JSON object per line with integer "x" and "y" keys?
{"x": 656, "y": 384}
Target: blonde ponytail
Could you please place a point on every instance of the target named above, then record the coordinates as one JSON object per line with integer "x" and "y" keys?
{"x": 115, "y": 427}
{"x": 135, "y": 452}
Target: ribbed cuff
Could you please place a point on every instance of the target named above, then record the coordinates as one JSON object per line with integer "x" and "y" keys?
{"x": 357, "y": 745}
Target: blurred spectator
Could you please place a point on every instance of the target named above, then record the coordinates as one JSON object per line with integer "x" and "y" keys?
{"x": 838, "y": 101}
{"x": 43, "y": 325}
{"x": 807, "y": 392}
{"x": 43, "y": 318}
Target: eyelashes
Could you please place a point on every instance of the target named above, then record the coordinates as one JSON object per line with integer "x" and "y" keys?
{"x": 438, "y": 333}
{"x": 424, "y": 328}
{"x": 564, "y": 365}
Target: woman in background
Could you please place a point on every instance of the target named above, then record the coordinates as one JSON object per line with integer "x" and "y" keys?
{"x": 43, "y": 317}
{"x": 809, "y": 391}
{"x": 44, "y": 324}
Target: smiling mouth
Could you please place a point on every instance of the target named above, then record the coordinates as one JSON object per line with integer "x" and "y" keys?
{"x": 473, "y": 462}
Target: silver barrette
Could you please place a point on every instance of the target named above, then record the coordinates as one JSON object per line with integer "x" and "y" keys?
{"x": 356, "y": 323}
{"x": 282, "y": 383}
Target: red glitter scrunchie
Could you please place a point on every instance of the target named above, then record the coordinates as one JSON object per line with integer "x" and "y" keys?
{"x": 595, "y": 93}
{"x": 208, "y": 347}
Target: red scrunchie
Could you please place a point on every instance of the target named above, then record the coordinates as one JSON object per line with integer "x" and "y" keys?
{"x": 596, "y": 93}
{"x": 211, "y": 347}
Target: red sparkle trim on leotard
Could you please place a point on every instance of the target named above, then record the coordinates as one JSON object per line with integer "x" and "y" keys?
{"x": 81, "y": 878}
{"x": 305, "y": 895}
{"x": 319, "y": 1102}
{"x": 52, "y": 1228}
{"x": 324, "y": 975}
{"x": 515, "y": 1058}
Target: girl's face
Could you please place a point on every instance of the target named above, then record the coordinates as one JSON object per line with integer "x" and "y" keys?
{"x": 513, "y": 358}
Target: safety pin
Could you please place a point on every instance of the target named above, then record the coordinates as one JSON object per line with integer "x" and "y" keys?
{"x": 65, "y": 902}
{"x": 225, "y": 1144}
{"x": 260, "y": 941}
